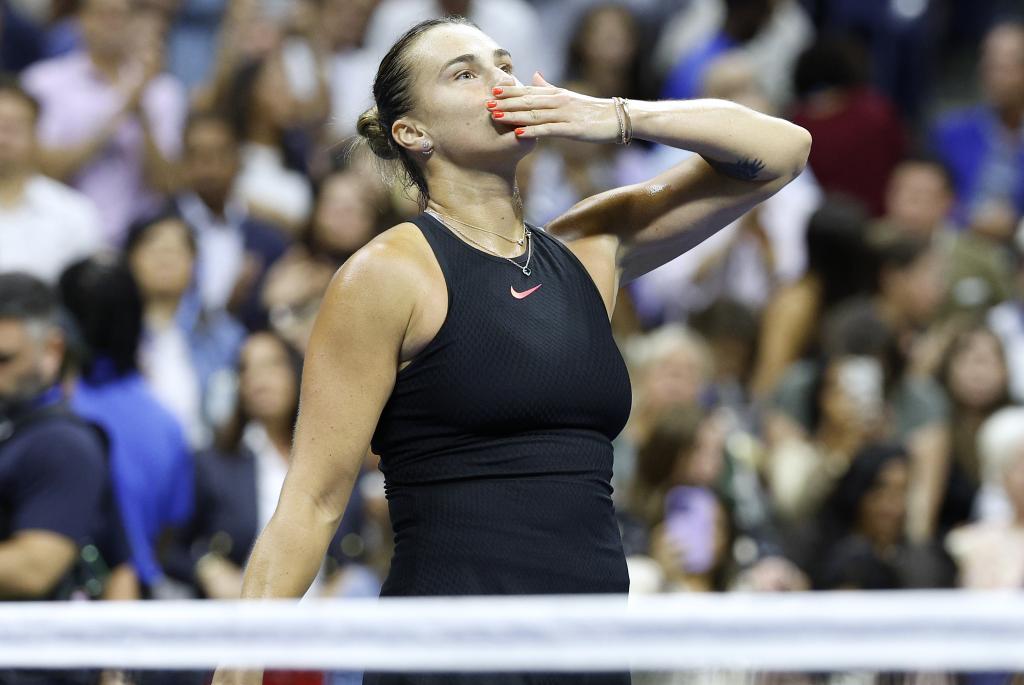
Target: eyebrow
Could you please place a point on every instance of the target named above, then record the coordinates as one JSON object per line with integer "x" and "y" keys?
{"x": 469, "y": 57}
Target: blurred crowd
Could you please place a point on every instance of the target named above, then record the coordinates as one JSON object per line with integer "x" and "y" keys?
{"x": 827, "y": 394}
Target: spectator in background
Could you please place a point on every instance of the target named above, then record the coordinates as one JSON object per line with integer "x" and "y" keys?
{"x": 606, "y": 57}
{"x": 990, "y": 552}
{"x": 52, "y": 467}
{"x": 974, "y": 376}
{"x": 263, "y": 115}
{"x": 187, "y": 353}
{"x": 149, "y": 457}
{"x": 249, "y": 31}
{"x": 684, "y": 451}
{"x": 846, "y": 409}
{"x": 918, "y": 199}
{"x": 980, "y": 268}
{"x": 346, "y": 218}
{"x": 514, "y": 24}
{"x": 858, "y": 135}
{"x": 670, "y": 367}
{"x": 1007, "y": 321}
{"x": 21, "y": 41}
{"x": 752, "y": 257}
{"x": 839, "y": 266}
{"x": 902, "y": 43}
{"x": 239, "y": 482}
{"x": 863, "y": 544}
{"x": 731, "y": 330}
{"x": 44, "y": 225}
{"x": 771, "y": 33}
{"x": 192, "y": 39}
{"x": 111, "y": 120}
{"x": 352, "y": 65}
{"x": 235, "y": 250}
{"x": 60, "y": 538}
{"x": 983, "y": 144}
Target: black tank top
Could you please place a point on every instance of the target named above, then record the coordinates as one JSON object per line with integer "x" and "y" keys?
{"x": 496, "y": 441}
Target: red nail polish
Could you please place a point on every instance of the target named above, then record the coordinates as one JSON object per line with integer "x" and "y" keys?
{"x": 498, "y": 114}
{"x": 491, "y": 104}
{"x": 497, "y": 91}
{"x": 520, "y": 131}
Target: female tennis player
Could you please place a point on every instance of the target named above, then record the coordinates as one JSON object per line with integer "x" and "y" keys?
{"x": 473, "y": 352}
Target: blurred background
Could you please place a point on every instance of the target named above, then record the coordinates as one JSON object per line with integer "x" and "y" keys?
{"x": 826, "y": 394}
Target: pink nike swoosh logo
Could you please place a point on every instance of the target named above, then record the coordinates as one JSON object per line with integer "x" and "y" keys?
{"x": 523, "y": 294}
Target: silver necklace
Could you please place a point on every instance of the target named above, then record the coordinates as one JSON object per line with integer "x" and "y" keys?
{"x": 518, "y": 241}
{"x": 525, "y": 268}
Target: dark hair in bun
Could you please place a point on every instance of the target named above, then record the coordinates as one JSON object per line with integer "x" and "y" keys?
{"x": 392, "y": 91}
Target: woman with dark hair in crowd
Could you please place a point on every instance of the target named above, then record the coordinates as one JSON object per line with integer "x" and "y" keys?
{"x": 605, "y": 58}
{"x": 862, "y": 529}
{"x": 149, "y": 457}
{"x": 473, "y": 351}
{"x": 239, "y": 481}
{"x": 974, "y": 374}
{"x": 187, "y": 353}
{"x": 839, "y": 266}
{"x": 274, "y": 153}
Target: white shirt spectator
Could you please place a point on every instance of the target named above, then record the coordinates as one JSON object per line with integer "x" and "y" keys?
{"x": 269, "y": 189}
{"x": 221, "y": 249}
{"x": 167, "y": 364}
{"x": 51, "y": 227}
{"x": 514, "y": 24}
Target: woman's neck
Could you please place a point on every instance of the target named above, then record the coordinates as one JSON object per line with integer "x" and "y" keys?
{"x": 839, "y": 441}
{"x": 485, "y": 199}
{"x": 160, "y": 311}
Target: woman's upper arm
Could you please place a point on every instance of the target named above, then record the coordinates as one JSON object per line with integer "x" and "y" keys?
{"x": 349, "y": 372}
{"x": 660, "y": 219}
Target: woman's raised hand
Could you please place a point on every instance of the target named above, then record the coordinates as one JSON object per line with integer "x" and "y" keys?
{"x": 542, "y": 110}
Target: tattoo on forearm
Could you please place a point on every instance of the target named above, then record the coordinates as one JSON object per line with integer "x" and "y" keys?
{"x": 744, "y": 169}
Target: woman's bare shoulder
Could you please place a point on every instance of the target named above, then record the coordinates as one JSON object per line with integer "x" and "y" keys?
{"x": 386, "y": 272}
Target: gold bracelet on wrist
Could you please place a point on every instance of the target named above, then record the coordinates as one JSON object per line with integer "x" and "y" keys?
{"x": 618, "y": 115}
{"x": 627, "y": 137}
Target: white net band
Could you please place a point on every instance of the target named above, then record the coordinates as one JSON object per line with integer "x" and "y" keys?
{"x": 924, "y": 631}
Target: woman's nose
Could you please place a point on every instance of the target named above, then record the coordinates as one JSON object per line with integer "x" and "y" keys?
{"x": 506, "y": 79}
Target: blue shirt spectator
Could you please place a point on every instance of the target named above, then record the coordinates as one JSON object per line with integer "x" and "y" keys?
{"x": 686, "y": 80}
{"x": 984, "y": 145}
{"x": 149, "y": 460}
{"x": 986, "y": 159}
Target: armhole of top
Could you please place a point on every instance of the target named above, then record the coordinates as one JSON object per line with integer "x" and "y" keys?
{"x": 435, "y": 341}
{"x": 583, "y": 268}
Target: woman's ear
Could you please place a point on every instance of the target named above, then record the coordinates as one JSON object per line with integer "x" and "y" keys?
{"x": 410, "y": 136}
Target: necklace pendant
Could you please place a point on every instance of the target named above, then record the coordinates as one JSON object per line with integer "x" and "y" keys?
{"x": 527, "y": 271}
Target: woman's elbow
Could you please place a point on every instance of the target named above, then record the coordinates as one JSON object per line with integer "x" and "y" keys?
{"x": 801, "y": 148}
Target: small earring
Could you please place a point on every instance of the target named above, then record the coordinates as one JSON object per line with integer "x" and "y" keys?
{"x": 426, "y": 147}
